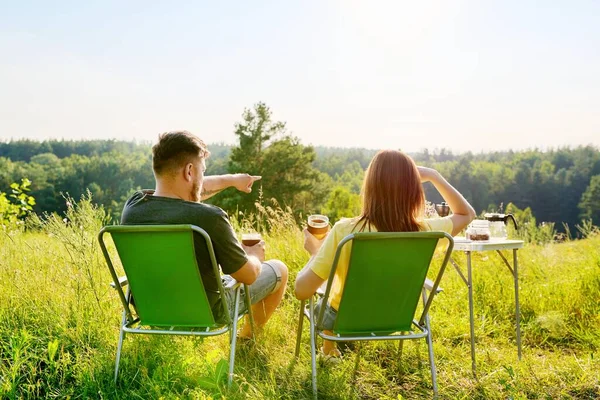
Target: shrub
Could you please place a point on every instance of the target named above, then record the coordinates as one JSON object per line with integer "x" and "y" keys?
{"x": 15, "y": 207}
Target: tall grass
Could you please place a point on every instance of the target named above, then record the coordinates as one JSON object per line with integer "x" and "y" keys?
{"x": 59, "y": 326}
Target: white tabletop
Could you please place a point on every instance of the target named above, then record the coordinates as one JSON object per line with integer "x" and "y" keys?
{"x": 462, "y": 244}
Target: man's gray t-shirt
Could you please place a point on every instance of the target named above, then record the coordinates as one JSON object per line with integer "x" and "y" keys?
{"x": 143, "y": 208}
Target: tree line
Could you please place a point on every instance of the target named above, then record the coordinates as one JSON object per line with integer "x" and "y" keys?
{"x": 560, "y": 185}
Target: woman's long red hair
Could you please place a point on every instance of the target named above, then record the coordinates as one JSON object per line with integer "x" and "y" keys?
{"x": 392, "y": 195}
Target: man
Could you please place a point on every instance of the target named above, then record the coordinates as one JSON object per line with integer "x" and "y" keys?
{"x": 179, "y": 163}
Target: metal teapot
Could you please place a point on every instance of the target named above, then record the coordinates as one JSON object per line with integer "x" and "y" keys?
{"x": 443, "y": 209}
{"x": 498, "y": 224}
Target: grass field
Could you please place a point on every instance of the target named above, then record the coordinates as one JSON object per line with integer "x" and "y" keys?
{"x": 59, "y": 328}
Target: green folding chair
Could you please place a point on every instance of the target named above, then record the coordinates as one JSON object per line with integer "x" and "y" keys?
{"x": 387, "y": 276}
{"x": 165, "y": 293}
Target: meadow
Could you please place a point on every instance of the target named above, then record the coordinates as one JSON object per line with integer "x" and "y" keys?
{"x": 59, "y": 323}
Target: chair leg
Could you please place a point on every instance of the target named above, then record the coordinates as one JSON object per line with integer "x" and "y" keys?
{"x": 400, "y": 349}
{"x": 300, "y": 323}
{"x": 119, "y": 347}
{"x": 400, "y": 353}
{"x": 233, "y": 343}
{"x": 431, "y": 360}
{"x": 249, "y": 306}
{"x": 122, "y": 334}
{"x": 313, "y": 347}
{"x": 430, "y": 351}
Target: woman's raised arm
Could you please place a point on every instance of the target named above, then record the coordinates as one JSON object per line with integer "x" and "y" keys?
{"x": 462, "y": 212}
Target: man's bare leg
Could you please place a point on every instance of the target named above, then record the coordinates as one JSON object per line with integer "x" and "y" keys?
{"x": 263, "y": 310}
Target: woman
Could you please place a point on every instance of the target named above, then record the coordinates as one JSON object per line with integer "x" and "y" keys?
{"x": 392, "y": 201}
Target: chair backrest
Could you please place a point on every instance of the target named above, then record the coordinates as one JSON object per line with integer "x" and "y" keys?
{"x": 161, "y": 267}
{"x": 385, "y": 280}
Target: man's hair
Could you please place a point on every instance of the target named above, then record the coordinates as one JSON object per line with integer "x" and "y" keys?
{"x": 176, "y": 149}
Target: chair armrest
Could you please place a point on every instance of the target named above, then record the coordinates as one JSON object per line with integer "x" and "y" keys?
{"x": 232, "y": 284}
{"x": 122, "y": 282}
{"x": 429, "y": 285}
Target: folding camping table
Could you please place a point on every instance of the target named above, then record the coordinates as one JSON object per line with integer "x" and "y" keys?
{"x": 468, "y": 247}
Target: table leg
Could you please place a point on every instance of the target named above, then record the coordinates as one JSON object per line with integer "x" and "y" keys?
{"x": 517, "y": 308}
{"x": 457, "y": 268}
{"x": 514, "y": 270}
{"x": 471, "y": 312}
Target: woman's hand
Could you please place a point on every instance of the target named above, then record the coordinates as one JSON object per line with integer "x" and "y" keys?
{"x": 311, "y": 243}
{"x": 428, "y": 174}
{"x": 462, "y": 212}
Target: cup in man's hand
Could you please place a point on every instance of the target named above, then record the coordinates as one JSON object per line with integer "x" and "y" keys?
{"x": 251, "y": 239}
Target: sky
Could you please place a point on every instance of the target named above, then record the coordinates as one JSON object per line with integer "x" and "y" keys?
{"x": 465, "y": 75}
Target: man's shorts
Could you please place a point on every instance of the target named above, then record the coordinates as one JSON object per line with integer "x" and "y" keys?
{"x": 266, "y": 283}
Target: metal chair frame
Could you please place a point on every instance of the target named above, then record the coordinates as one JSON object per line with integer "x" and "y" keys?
{"x": 131, "y": 323}
{"x": 422, "y": 324}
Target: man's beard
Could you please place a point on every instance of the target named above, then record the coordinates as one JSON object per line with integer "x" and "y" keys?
{"x": 195, "y": 193}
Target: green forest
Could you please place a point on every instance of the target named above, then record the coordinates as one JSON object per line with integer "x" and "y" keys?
{"x": 560, "y": 187}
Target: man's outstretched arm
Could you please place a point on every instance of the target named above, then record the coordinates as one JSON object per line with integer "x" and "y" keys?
{"x": 217, "y": 183}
